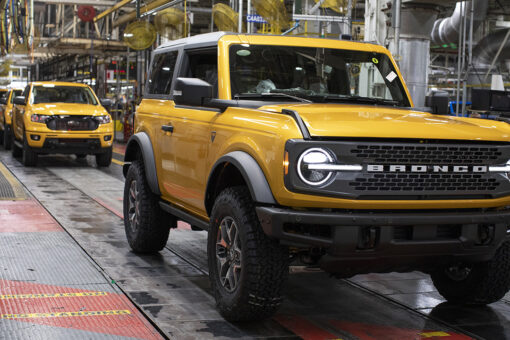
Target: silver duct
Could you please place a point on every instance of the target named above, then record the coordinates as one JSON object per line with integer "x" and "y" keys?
{"x": 486, "y": 49}
{"x": 416, "y": 24}
{"x": 446, "y": 30}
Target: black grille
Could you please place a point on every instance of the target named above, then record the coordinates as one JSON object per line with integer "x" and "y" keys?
{"x": 72, "y": 123}
{"x": 427, "y": 154}
{"x": 403, "y": 183}
{"x": 425, "y": 182}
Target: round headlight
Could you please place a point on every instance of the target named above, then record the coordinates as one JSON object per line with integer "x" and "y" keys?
{"x": 314, "y": 156}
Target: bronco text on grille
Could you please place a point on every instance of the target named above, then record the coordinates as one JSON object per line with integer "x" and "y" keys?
{"x": 413, "y": 170}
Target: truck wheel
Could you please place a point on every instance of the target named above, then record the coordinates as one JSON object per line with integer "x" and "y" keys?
{"x": 2, "y": 136}
{"x": 7, "y": 139}
{"x": 480, "y": 283}
{"x": 246, "y": 268}
{"x": 147, "y": 226}
{"x": 16, "y": 151}
{"x": 29, "y": 157}
{"x": 104, "y": 159}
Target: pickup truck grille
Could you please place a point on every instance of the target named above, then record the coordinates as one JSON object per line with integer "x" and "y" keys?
{"x": 72, "y": 123}
{"x": 426, "y": 184}
{"x": 427, "y": 154}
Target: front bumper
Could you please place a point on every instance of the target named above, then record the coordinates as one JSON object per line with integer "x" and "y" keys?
{"x": 69, "y": 143}
{"x": 389, "y": 239}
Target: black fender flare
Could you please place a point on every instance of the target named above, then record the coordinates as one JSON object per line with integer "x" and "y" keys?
{"x": 142, "y": 141}
{"x": 252, "y": 175}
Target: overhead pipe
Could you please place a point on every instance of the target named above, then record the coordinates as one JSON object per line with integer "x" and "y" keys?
{"x": 446, "y": 30}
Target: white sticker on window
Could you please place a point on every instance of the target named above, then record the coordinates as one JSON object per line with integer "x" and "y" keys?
{"x": 391, "y": 76}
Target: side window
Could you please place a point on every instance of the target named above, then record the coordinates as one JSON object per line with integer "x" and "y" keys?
{"x": 162, "y": 72}
{"x": 203, "y": 65}
{"x": 26, "y": 92}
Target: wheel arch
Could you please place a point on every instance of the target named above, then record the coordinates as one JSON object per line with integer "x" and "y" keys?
{"x": 138, "y": 145}
{"x": 239, "y": 168}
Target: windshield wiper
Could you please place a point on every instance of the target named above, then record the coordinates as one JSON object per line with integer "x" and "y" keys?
{"x": 358, "y": 99}
{"x": 271, "y": 94}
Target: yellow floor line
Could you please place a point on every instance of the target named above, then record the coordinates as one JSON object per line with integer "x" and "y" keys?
{"x": 64, "y": 314}
{"x": 38, "y": 296}
{"x": 19, "y": 192}
{"x": 117, "y": 161}
{"x": 434, "y": 334}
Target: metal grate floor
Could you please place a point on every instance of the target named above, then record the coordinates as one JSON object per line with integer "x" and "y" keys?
{"x": 10, "y": 187}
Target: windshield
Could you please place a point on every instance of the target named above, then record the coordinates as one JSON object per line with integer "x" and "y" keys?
{"x": 16, "y": 93}
{"x": 316, "y": 74}
{"x": 62, "y": 94}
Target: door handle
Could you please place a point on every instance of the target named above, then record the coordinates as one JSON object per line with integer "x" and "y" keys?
{"x": 167, "y": 128}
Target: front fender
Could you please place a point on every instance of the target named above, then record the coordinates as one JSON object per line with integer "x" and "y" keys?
{"x": 252, "y": 174}
{"x": 141, "y": 142}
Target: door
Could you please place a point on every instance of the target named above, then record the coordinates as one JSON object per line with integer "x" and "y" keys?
{"x": 186, "y": 141}
{"x": 18, "y": 112}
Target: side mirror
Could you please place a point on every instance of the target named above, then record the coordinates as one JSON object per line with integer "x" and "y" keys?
{"x": 192, "y": 91}
{"x": 20, "y": 100}
{"x": 3, "y": 101}
{"x": 106, "y": 102}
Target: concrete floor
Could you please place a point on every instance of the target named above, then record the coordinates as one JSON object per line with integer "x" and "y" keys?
{"x": 171, "y": 289}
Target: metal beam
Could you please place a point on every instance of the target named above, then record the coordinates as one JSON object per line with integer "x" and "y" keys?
{"x": 98, "y": 3}
{"x": 131, "y": 16}
{"x": 111, "y": 9}
{"x": 323, "y": 18}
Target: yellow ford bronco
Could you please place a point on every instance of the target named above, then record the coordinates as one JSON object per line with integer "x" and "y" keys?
{"x": 6, "y": 106}
{"x": 304, "y": 150}
{"x": 60, "y": 117}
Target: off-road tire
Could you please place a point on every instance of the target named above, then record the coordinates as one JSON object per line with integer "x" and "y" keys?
{"x": 29, "y": 157}
{"x": 153, "y": 224}
{"x": 16, "y": 151}
{"x": 487, "y": 282}
{"x": 104, "y": 159}
{"x": 7, "y": 139}
{"x": 264, "y": 262}
{"x": 2, "y": 138}
{"x": 81, "y": 155}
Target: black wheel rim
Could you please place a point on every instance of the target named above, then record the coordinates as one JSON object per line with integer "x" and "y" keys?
{"x": 134, "y": 206}
{"x": 228, "y": 254}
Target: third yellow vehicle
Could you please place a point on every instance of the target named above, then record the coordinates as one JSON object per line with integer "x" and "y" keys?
{"x": 6, "y": 106}
{"x": 60, "y": 117}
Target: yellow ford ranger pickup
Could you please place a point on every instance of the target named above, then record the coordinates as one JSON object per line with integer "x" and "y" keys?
{"x": 292, "y": 150}
{"x": 6, "y": 106}
{"x": 60, "y": 117}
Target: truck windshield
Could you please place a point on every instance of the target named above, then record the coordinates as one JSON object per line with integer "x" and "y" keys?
{"x": 62, "y": 94}
{"x": 315, "y": 74}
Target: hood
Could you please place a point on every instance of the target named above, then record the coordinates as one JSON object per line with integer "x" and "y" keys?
{"x": 339, "y": 120}
{"x": 68, "y": 109}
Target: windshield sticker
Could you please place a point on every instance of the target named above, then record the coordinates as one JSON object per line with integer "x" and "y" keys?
{"x": 391, "y": 76}
{"x": 375, "y": 60}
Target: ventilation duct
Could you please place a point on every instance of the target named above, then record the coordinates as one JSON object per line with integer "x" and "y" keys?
{"x": 416, "y": 24}
{"x": 486, "y": 49}
{"x": 446, "y": 30}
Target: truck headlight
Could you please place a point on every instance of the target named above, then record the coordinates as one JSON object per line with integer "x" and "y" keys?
{"x": 103, "y": 119}
{"x": 306, "y": 162}
{"x": 39, "y": 118}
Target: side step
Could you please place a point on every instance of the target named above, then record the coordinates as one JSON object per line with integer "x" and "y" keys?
{"x": 184, "y": 216}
